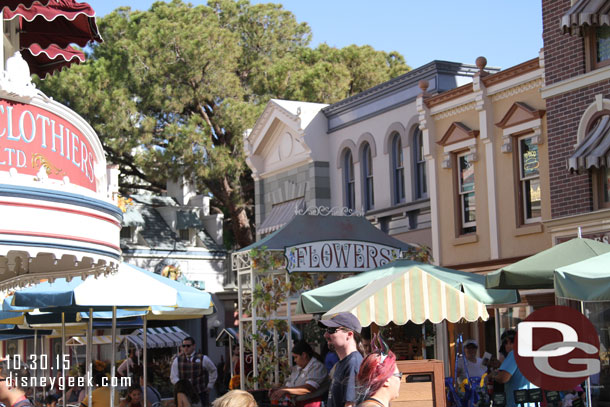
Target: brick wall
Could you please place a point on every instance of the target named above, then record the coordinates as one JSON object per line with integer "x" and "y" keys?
{"x": 564, "y": 57}
{"x": 564, "y": 54}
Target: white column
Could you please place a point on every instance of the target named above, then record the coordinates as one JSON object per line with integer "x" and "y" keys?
{"x": 486, "y": 135}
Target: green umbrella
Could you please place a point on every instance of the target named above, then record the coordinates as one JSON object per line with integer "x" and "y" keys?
{"x": 326, "y": 297}
{"x": 587, "y": 280}
{"x": 537, "y": 271}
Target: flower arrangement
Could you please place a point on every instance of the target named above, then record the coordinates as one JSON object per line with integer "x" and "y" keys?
{"x": 123, "y": 203}
{"x": 172, "y": 272}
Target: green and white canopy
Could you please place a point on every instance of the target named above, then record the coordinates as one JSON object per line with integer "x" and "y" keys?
{"x": 472, "y": 285}
{"x": 410, "y": 295}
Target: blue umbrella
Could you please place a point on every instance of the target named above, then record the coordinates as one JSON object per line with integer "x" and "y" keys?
{"x": 130, "y": 287}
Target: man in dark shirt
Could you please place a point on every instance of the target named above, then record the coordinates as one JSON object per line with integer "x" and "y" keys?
{"x": 342, "y": 331}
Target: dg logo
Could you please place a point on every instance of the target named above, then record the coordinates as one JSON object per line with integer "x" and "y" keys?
{"x": 557, "y": 348}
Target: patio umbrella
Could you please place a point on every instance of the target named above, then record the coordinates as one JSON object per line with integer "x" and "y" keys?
{"x": 131, "y": 286}
{"x": 324, "y": 298}
{"x": 587, "y": 280}
{"x": 537, "y": 271}
{"x": 411, "y": 294}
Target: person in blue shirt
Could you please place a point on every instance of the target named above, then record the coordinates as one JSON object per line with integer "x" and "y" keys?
{"x": 342, "y": 332}
{"x": 509, "y": 373}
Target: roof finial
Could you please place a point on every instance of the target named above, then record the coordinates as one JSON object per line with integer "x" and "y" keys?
{"x": 481, "y": 63}
{"x": 423, "y": 85}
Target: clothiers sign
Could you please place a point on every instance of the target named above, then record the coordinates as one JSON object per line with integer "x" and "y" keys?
{"x": 338, "y": 256}
{"x": 31, "y": 138}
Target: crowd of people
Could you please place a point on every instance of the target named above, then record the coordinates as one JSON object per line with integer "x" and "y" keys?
{"x": 348, "y": 376}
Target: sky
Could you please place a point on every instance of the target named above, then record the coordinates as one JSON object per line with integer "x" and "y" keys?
{"x": 506, "y": 32}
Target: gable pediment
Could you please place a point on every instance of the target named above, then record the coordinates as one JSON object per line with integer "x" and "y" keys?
{"x": 457, "y": 132}
{"x": 519, "y": 113}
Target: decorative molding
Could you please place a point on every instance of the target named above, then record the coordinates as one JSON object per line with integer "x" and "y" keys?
{"x": 326, "y": 211}
{"x": 519, "y": 113}
{"x": 455, "y": 111}
{"x": 533, "y": 84}
{"x": 512, "y": 72}
{"x": 456, "y": 133}
{"x": 449, "y": 95}
{"x": 576, "y": 82}
{"x": 15, "y": 81}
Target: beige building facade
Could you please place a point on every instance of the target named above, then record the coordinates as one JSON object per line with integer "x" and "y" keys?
{"x": 487, "y": 161}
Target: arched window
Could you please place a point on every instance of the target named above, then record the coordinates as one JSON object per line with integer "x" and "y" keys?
{"x": 398, "y": 169}
{"x": 348, "y": 180}
{"x": 419, "y": 164}
{"x": 367, "y": 177}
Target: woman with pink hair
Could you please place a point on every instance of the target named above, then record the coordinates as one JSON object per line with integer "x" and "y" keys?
{"x": 378, "y": 381}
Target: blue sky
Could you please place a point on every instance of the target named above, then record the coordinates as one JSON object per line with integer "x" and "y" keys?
{"x": 506, "y": 32}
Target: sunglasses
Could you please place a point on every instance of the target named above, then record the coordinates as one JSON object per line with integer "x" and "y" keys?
{"x": 397, "y": 374}
{"x": 187, "y": 345}
{"x": 331, "y": 331}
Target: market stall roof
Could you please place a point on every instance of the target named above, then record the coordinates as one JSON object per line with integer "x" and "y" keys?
{"x": 322, "y": 299}
{"x": 164, "y": 337}
{"x": 313, "y": 228}
{"x": 410, "y": 295}
{"x": 537, "y": 271}
{"x": 587, "y": 280}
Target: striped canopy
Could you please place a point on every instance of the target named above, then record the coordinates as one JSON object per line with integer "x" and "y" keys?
{"x": 410, "y": 295}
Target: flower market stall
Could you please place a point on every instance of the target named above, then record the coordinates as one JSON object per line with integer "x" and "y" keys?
{"x": 272, "y": 272}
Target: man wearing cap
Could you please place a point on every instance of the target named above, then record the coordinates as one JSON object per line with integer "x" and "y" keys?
{"x": 342, "y": 331}
{"x": 474, "y": 364}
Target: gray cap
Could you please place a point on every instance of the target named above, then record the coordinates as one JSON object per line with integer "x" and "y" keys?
{"x": 472, "y": 342}
{"x": 342, "y": 319}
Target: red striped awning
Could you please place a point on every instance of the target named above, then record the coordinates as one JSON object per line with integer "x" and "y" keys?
{"x": 13, "y": 4}
{"x": 45, "y": 61}
{"x": 59, "y": 22}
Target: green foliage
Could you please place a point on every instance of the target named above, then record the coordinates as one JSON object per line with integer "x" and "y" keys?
{"x": 172, "y": 90}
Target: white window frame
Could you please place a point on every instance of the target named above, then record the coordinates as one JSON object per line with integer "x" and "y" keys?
{"x": 523, "y": 180}
{"x": 367, "y": 178}
{"x": 398, "y": 170}
{"x": 461, "y": 194}
{"x": 349, "y": 181}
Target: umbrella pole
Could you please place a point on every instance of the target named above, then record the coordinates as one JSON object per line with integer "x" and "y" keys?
{"x": 588, "y": 389}
{"x": 36, "y": 356}
{"x": 63, "y": 353}
{"x": 88, "y": 356}
{"x": 113, "y": 358}
{"x": 145, "y": 361}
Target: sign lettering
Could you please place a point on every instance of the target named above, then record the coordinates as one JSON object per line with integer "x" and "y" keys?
{"x": 339, "y": 255}
{"x": 34, "y": 140}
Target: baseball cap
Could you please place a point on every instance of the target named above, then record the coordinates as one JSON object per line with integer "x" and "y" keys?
{"x": 471, "y": 342}
{"x": 342, "y": 319}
